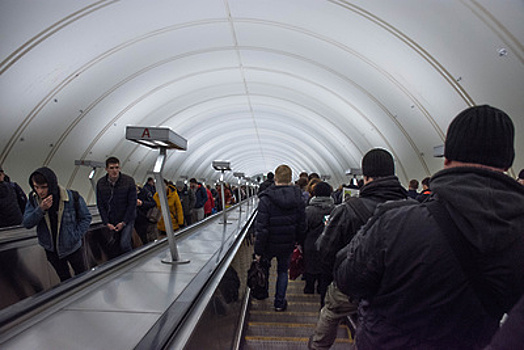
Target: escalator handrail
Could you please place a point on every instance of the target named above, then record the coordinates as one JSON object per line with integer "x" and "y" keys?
{"x": 178, "y": 329}
{"x": 17, "y": 314}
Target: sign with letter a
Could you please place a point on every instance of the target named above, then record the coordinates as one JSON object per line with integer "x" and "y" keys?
{"x": 146, "y": 132}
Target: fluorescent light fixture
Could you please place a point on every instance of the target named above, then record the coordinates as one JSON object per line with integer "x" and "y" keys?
{"x": 221, "y": 165}
{"x": 156, "y": 137}
{"x": 146, "y": 143}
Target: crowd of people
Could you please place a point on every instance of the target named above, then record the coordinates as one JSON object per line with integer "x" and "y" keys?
{"x": 130, "y": 213}
{"x": 435, "y": 269}
{"x": 431, "y": 270}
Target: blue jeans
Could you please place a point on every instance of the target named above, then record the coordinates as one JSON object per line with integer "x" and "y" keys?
{"x": 125, "y": 238}
{"x": 283, "y": 261}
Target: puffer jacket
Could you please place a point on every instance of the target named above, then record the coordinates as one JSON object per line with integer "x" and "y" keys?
{"x": 415, "y": 293}
{"x": 316, "y": 212}
{"x": 70, "y": 231}
{"x": 10, "y": 214}
{"x": 344, "y": 223}
{"x": 175, "y": 209}
{"x": 280, "y": 221}
{"x": 200, "y": 196}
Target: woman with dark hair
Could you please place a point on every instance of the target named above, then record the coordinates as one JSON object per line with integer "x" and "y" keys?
{"x": 317, "y": 212}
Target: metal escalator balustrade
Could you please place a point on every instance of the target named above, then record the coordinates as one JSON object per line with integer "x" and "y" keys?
{"x": 116, "y": 305}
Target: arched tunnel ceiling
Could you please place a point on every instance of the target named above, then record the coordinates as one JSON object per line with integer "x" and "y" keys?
{"x": 310, "y": 83}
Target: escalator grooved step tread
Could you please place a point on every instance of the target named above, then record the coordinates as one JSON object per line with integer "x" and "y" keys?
{"x": 290, "y": 329}
{"x": 265, "y": 329}
{"x": 288, "y": 344}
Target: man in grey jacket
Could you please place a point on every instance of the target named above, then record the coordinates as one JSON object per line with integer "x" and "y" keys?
{"x": 417, "y": 290}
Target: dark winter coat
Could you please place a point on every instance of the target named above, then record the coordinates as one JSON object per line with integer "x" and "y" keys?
{"x": 344, "y": 223}
{"x": 280, "y": 220}
{"x": 416, "y": 296}
{"x": 147, "y": 203}
{"x": 116, "y": 203}
{"x": 510, "y": 336}
{"x": 10, "y": 214}
{"x": 201, "y": 196}
{"x": 188, "y": 199}
{"x": 316, "y": 212}
{"x": 70, "y": 229}
{"x": 264, "y": 185}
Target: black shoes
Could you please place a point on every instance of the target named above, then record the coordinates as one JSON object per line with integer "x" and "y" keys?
{"x": 282, "y": 308}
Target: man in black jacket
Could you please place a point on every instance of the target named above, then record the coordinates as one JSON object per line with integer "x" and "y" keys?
{"x": 381, "y": 185}
{"x": 200, "y": 199}
{"x": 267, "y": 183}
{"x": 417, "y": 291}
{"x": 10, "y": 213}
{"x": 116, "y": 200}
{"x": 280, "y": 223}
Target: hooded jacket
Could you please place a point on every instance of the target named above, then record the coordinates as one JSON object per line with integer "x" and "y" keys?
{"x": 415, "y": 293}
{"x": 176, "y": 212}
{"x": 280, "y": 220}
{"x": 316, "y": 213}
{"x": 344, "y": 223}
{"x": 70, "y": 231}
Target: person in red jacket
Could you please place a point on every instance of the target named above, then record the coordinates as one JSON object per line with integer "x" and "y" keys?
{"x": 210, "y": 203}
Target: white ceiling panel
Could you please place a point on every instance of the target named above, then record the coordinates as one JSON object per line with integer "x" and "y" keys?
{"x": 313, "y": 84}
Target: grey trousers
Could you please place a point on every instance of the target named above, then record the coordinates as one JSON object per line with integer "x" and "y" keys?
{"x": 336, "y": 308}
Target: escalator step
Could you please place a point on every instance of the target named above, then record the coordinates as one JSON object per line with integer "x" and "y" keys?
{"x": 283, "y": 317}
{"x": 288, "y": 344}
{"x": 295, "y": 330}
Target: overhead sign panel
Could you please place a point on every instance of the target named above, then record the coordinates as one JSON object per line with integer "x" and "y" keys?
{"x": 156, "y": 137}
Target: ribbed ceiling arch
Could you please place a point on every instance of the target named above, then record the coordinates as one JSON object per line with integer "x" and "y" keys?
{"x": 314, "y": 84}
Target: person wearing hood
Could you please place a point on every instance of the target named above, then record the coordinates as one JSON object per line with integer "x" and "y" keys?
{"x": 317, "y": 211}
{"x": 381, "y": 185}
{"x": 61, "y": 218}
{"x": 280, "y": 223}
{"x": 176, "y": 210}
{"x": 440, "y": 274}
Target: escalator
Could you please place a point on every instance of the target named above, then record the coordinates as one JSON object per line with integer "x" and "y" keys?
{"x": 290, "y": 329}
{"x": 136, "y": 301}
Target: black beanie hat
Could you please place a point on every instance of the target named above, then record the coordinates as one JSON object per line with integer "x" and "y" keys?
{"x": 378, "y": 163}
{"x": 521, "y": 174}
{"x": 481, "y": 135}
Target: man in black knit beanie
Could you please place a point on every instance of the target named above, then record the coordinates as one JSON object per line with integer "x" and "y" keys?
{"x": 440, "y": 274}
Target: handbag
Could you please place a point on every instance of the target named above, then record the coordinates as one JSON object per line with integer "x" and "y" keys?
{"x": 257, "y": 280}
{"x": 154, "y": 214}
{"x": 296, "y": 266}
